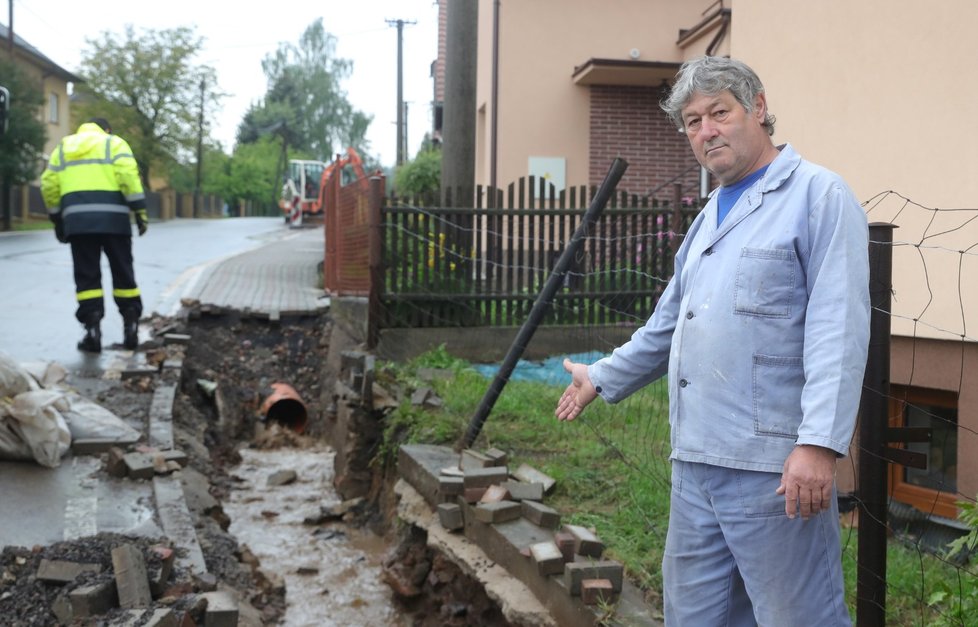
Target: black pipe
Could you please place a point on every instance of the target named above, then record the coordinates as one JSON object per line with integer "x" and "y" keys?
{"x": 544, "y": 300}
{"x": 873, "y": 411}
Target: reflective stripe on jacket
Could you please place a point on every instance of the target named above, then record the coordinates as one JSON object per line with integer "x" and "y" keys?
{"x": 92, "y": 182}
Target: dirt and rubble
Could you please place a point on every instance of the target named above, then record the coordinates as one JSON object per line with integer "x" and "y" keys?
{"x": 227, "y": 371}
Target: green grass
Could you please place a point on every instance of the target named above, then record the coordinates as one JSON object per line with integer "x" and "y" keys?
{"x": 33, "y": 224}
{"x": 612, "y": 472}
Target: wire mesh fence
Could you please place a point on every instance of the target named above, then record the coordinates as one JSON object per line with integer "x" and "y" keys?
{"x": 484, "y": 269}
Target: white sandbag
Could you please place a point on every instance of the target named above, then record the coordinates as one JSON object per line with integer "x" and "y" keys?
{"x": 88, "y": 420}
{"x": 47, "y": 373}
{"x": 39, "y": 423}
{"x": 14, "y": 379}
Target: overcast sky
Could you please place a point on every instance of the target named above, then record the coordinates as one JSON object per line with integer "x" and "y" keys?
{"x": 238, "y": 35}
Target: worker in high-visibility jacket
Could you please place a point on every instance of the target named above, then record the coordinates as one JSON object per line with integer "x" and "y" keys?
{"x": 90, "y": 187}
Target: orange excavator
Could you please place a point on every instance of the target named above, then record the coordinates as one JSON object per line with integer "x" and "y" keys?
{"x": 302, "y": 193}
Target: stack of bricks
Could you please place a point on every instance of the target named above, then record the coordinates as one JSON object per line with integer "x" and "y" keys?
{"x": 484, "y": 481}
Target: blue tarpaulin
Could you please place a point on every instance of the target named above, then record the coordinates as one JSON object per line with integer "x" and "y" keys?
{"x": 550, "y": 371}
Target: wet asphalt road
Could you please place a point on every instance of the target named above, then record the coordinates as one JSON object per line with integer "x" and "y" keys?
{"x": 37, "y": 320}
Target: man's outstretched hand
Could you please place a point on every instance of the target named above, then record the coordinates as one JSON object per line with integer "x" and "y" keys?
{"x": 578, "y": 394}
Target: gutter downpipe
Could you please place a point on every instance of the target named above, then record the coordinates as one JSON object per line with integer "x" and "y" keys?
{"x": 494, "y": 122}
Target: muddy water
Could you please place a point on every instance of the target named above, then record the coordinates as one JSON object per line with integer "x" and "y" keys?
{"x": 331, "y": 571}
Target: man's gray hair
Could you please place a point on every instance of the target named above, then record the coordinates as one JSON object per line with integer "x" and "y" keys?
{"x": 710, "y": 76}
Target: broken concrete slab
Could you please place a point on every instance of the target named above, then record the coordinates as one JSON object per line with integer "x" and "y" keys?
{"x": 93, "y": 599}
{"x": 576, "y": 572}
{"x": 530, "y": 474}
{"x": 497, "y": 457}
{"x": 131, "y": 580}
{"x": 61, "y": 571}
{"x": 596, "y": 591}
{"x": 548, "y": 558}
{"x": 540, "y": 514}
{"x": 472, "y": 460}
{"x": 586, "y": 543}
{"x": 177, "y": 522}
{"x": 450, "y": 516}
{"x": 222, "y": 609}
{"x": 494, "y": 494}
{"x": 139, "y": 465}
{"x": 484, "y": 477}
{"x": 521, "y": 491}
{"x": 497, "y": 512}
{"x": 97, "y": 446}
{"x": 161, "y": 417}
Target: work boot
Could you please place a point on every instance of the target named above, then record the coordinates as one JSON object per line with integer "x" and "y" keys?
{"x": 92, "y": 342}
{"x": 130, "y": 333}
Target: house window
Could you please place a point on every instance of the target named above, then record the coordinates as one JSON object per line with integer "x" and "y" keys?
{"x": 932, "y": 489}
{"x": 53, "y": 108}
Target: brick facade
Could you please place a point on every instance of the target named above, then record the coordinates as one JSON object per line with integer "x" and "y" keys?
{"x": 626, "y": 122}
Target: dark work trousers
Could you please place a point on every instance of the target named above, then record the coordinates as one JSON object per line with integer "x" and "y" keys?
{"x": 86, "y": 251}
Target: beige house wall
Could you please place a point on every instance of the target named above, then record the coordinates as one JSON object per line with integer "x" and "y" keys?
{"x": 542, "y": 112}
{"x": 882, "y": 92}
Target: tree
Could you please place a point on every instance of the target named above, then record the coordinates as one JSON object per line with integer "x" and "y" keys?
{"x": 149, "y": 87}
{"x": 420, "y": 176}
{"x": 305, "y": 104}
{"x": 22, "y": 146}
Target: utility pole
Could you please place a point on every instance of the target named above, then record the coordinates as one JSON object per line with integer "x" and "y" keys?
{"x": 200, "y": 147}
{"x": 401, "y": 131}
{"x": 10, "y": 31}
{"x": 458, "y": 144}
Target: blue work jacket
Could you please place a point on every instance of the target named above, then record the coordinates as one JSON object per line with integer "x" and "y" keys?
{"x": 763, "y": 330}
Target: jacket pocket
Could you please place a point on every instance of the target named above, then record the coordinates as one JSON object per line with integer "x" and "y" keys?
{"x": 765, "y": 282}
{"x": 777, "y": 382}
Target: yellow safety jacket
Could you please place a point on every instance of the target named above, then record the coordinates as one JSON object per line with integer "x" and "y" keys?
{"x": 92, "y": 182}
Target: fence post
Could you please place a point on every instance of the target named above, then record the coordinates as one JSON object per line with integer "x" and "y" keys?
{"x": 376, "y": 271}
{"x": 543, "y": 302}
{"x": 873, "y": 409}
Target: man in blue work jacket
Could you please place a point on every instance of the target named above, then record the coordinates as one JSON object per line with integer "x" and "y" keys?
{"x": 90, "y": 187}
{"x": 763, "y": 331}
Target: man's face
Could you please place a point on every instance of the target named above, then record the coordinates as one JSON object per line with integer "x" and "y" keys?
{"x": 726, "y": 139}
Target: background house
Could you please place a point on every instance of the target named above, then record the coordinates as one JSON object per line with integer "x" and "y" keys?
{"x": 880, "y": 91}
{"x": 52, "y": 80}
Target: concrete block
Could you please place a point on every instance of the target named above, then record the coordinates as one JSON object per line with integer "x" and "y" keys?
{"x": 585, "y": 542}
{"x": 595, "y": 591}
{"x": 565, "y": 542}
{"x": 131, "y": 579}
{"x": 472, "y": 460}
{"x": 60, "y": 571}
{"x": 576, "y": 572}
{"x": 139, "y": 465}
{"x": 530, "y": 474}
{"x": 484, "y": 477}
{"x": 498, "y": 512}
{"x": 93, "y": 600}
{"x": 498, "y": 457}
{"x": 175, "y": 455}
{"x": 159, "y": 573}
{"x": 547, "y": 557}
{"x": 450, "y": 486}
{"x": 138, "y": 371}
{"x": 541, "y": 515}
{"x": 494, "y": 494}
{"x": 115, "y": 463}
{"x": 450, "y": 516}
{"x": 176, "y": 338}
{"x": 96, "y": 446}
{"x": 160, "y": 617}
{"x": 521, "y": 491}
{"x": 473, "y": 495}
{"x": 222, "y": 610}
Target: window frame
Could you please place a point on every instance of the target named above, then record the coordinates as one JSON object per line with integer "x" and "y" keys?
{"x": 924, "y": 499}
{"x": 54, "y": 108}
